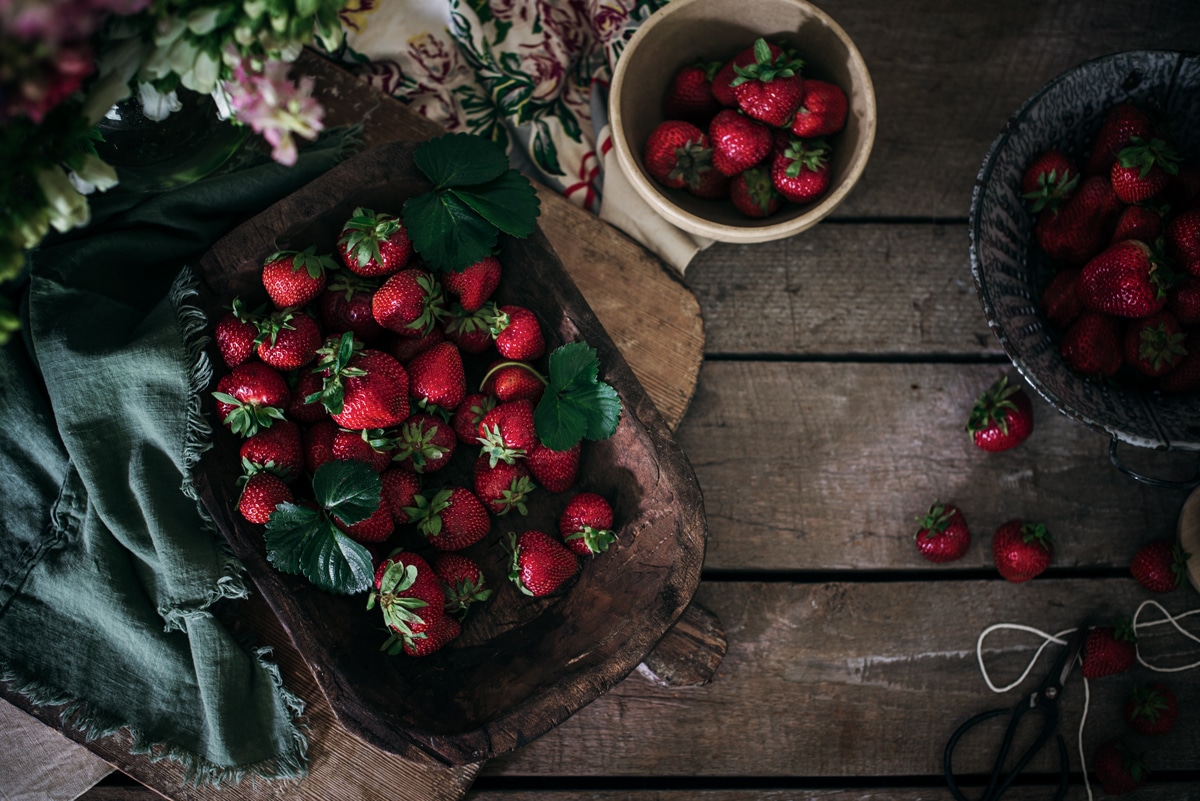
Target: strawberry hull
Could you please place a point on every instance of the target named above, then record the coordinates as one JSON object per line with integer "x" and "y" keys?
{"x": 520, "y": 665}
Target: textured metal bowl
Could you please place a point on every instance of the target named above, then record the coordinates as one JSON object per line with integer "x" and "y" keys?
{"x": 1010, "y": 275}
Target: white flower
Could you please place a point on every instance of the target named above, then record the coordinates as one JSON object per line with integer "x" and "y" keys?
{"x": 93, "y": 174}
{"x": 157, "y": 105}
{"x": 67, "y": 207}
{"x": 203, "y": 20}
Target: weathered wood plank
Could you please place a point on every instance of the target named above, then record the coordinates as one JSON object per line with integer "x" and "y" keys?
{"x": 862, "y": 680}
{"x": 826, "y": 466}
{"x": 949, "y": 74}
{"x": 844, "y": 289}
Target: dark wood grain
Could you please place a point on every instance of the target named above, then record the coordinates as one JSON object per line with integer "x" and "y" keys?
{"x": 834, "y": 479}
{"x": 691, "y": 653}
{"x": 860, "y": 679}
{"x": 521, "y": 665}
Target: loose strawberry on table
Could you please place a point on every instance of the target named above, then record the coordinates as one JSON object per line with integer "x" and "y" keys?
{"x": 1002, "y": 417}
{"x": 1021, "y": 550}
{"x": 943, "y": 535}
{"x": 1160, "y": 566}
{"x": 1151, "y": 709}
{"x": 1109, "y": 650}
{"x": 1118, "y": 769}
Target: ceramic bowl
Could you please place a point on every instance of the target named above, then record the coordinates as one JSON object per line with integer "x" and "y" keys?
{"x": 685, "y": 31}
{"x": 1010, "y": 275}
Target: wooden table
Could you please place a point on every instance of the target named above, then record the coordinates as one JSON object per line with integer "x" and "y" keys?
{"x": 838, "y": 372}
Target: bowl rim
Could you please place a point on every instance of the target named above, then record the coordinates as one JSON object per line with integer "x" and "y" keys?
{"x": 974, "y": 223}
{"x": 722, "y": 232}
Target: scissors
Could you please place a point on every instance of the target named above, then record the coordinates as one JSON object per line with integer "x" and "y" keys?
{"x": 1044, "y": 699}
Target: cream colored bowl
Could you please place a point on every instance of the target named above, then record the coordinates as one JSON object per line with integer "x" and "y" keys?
{"x": 685, "y": 31}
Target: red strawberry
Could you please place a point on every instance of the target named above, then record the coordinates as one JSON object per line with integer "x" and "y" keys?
{"x": 513, "y": 380}
{"x": 1137, "y": 222}
{"x": 376, "y": 528}
{"x": 1060, "y": 300}
{"x": 1127, "y": 280}
{"x": 540, "y": 564}
{"x": 409, "y": 595}
{"x": 557, "y": 471}
{"x": 517, "y": 333}
{"x": 467, "y": 416}
{"x": 360, "y": 446}
{"x": 305, "y": 383}
{"x": 1151, "y": 709}
{"x": 1121, "y": 124}
{"x": 1184, "y": 301}
{"x": 722, "y": 87}
{"x": 1143, "y": 169}
{"x": 275, "y": 450}
{"x": 1092, "y": 345}
{"x": 237, "y": 334}
{"x": 317, "y": 440}
{"x": 471, "y": 331}
{"x": 293, "y": 278}
{"x": 1183, "y": 241}
{"x": 712, "y": 185}
{"x": 769, "y": 88}
{"x": 261, "y": 494}
{"x": 507, "y": 432}
{"x": 289, "y": 339}
{"x": 462, "y": 581}
{"x": 1109, "y": 650}
{"x": 503, "y": 487}
{"x": 801, "y": 171}
{"x": 1021, "y": 550}
{"x": 1001, "y": 418}
{"x": 1049, "y": 181}
{"x": 586, "y": 524}
{"x": 409, "y": 303}
{"x": 250, "y": 397}
{"x": 374, "y": 244}
{"x": 1081, "y": 228}
{"x": 451, "y": 519}
{"x": 753, "y": 193}
{"x": 436, "y": 379}
{"x": 823, "y": 110}
{"x": 364, "y": 389}
{"x": 1186, "y": 375}
{"x": 474, "y": 284}
{"x": 676, "y": 152}
{"x": 434, "y": 638}
{"x": 1117, "y": 769}
{"x": 943, "y": 535}
{"x": 400, "y": 488}
{"x": 424, "y": 444}
{"x": 404, "y": 349}
{"x": 738, "y": 142}
{"x": 1159, "y": 566}
{"x": 1154, "y": 345}
{"x": 345, "y": 305}
{"x": 689, "y": 96}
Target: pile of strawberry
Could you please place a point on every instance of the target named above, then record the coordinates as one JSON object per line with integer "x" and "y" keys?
{"x": 350, "y": 391}
{"x": 750, "y": 131}
{"x": 1121, "y": 227}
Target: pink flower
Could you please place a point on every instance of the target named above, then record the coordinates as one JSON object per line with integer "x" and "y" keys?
{"x": 610, "y": 18}
{"x": 275, "y": 107}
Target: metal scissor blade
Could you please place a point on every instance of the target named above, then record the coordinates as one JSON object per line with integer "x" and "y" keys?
{"x": 1070, "y": 655}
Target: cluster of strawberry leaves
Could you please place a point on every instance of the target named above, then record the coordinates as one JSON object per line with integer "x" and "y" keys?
{"x": 476, "y": 198}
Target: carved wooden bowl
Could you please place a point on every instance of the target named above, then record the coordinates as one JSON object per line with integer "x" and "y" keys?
{"x": 522, "y": 665}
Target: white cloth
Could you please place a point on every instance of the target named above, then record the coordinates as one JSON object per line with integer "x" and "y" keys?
{"x": 38, "y": 763}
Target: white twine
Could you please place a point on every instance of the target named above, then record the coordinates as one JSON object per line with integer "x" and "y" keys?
{"x": 1057, "y": 639}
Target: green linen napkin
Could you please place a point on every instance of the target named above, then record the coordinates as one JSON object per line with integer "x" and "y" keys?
{"x": 110, "y": 573}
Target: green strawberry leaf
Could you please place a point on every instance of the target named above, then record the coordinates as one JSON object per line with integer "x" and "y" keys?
{"x": 350, "y": 490}
{"x": 303, "y": 541}
{"x": 509, "y": 202}
{"x": 576, "y": 404}
{"x": 460, "y": 160}
{"x": 447, "y": 232}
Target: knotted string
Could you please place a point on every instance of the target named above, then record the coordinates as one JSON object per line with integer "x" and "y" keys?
{"x": 1057, "y": 639}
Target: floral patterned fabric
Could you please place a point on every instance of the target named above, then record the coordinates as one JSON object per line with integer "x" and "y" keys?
{"x": 530, "y": 74}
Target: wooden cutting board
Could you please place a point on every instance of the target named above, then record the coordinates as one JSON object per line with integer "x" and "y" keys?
{"x": 653, "y": 318}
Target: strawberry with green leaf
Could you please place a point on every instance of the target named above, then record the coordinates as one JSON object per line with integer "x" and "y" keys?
{"x": 1021, "y": 550}
{"x": 689, "y": 96}
{"x": 722, "y": 86}
{"x": 1129, "y": 279}
{"x": 467, "y": 416}
{"x": 303, "y": 384}
{"x": 1154, "y": 345}
{"x": 510, "y": 380}
{"x": 508, "y": 432}
{"x": 410, "y": 303}
{"x": 517, "y": 333}
{"x": 367, "y": 446}
{"x": 577, "y": 404}
{"x": 1143, "y": 169}
{"x": 374, "y": 529}
{"x": 251, "y": 396}
{"x": 753, "y": 193}
{"x": 274, "y": 450}
{"x": 677, "y": 153}
{"x": 1049, "y": 180}
{"x": 823, "y": 110}
{"x": 800, "y": 171}
{"x": 539, "y": 564}
{"x": 374, "y": 244}
{"x": 1109, "y": 650}
{"x": 503, "y": 487}
{"x": 434, "y": 638}
{"x": 586, "y": 524}
{"x": 292, "y": 278}
{"x": 1151, "y": 709}
{"x": 471, "y": 331}
{"x": 345, "y": 305}
{"x": 410, "y": 597}
{"x": 303, "y": 539}
{"x": 1160, "y": 565}
{"x": 236, "y": 333}
{"x": 1002, "y": 417}
{"x": 1079, "y": 229}
{"x": 405, "y": 348}
{"x": 1118, "y": 768}
{"x": 423, "y": 443}
{"x": 770, "y": 88}
{"x": 261, "y": 494}
{"x": 462, "y": 581}
{"x": 943, "y": 535}
{"x": 288, "y": 339}
{"x": 362, "y": 388}
{"x": 451, "y": 518}
{"x": 400, "y": 489}
{"x": 1121, "y": 124}
{"x": 476, "y": 196}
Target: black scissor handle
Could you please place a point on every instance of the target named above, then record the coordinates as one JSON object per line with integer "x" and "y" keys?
{"x": 999, "y": 781}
